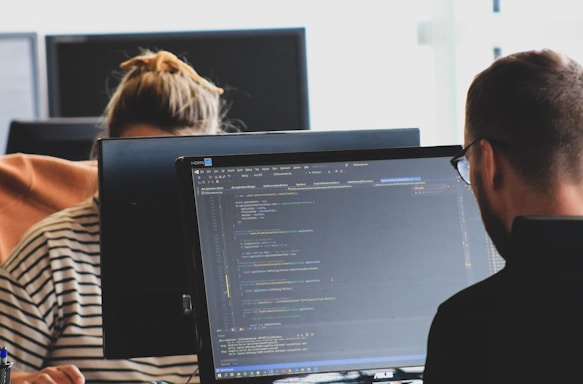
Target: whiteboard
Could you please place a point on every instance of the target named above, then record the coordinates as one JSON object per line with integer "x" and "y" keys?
{"x": 19, "y": 85}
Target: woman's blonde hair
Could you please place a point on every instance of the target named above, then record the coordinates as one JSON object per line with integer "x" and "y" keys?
{"x": 161, "y": 90}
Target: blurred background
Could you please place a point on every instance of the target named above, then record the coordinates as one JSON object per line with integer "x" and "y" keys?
{"x": 370, "y": 63}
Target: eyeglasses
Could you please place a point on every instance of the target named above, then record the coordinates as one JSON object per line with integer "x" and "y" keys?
{"x": 461, "y": 163}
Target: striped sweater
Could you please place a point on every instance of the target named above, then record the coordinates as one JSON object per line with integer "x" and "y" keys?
{"x": 50, "y": 304}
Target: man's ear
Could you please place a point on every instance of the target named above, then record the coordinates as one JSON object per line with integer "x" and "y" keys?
{"x": 490, "y": 166}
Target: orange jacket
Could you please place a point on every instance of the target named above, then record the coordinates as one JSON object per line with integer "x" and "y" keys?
{"x": 34, "y": 186}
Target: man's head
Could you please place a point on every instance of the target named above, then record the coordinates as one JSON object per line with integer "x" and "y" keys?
{"x": 528, "y": 110}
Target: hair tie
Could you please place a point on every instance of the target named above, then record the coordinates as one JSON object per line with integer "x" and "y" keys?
{"x": 166, "y": 61}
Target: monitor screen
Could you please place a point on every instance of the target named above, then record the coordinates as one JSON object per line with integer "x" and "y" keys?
{"x": 262, "y": 71}
{"x": 326, "y": 262}
{"x": 144, "y": 271}
{"x": 68, "y": 138}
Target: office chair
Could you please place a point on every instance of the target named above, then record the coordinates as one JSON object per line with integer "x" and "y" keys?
{"x": 541, "y": 326}
{"x": 69, "y": 138}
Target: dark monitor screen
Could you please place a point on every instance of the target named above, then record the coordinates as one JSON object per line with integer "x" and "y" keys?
{"x": 263, "y": 71}
{"x": 67, "y": 138}
{"x": 326, "y": 264}
{"x": 144, "y": 267}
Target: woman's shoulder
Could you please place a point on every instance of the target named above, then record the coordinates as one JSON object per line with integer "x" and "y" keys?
{"x": 72, "y": 231}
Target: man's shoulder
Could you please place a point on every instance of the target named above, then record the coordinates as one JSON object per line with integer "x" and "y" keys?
{"x": 462, "y": 332}
{"x": 479, "y": 297}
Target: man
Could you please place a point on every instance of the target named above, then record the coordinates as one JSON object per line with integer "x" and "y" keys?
{"x": 523, "y": 156}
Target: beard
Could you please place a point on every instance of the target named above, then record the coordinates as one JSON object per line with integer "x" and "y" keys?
{"x": 493, "y": 222}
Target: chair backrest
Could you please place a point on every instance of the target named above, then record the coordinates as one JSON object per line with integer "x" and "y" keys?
{"x": 542, "y": 320}
{"x": 69, "y": 138}
{"x": 34, "y": 186}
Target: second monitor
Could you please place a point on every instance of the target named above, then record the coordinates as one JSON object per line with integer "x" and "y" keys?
{"x": 263, "y": 71}
{"x": 144, "y": 267}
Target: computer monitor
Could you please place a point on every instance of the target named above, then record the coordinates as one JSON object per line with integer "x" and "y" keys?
{"x": 263, "y": 71}
{"x": 326, "y": 266}
{"x": 68, "y": 138}
{"x": 144, "y": 270}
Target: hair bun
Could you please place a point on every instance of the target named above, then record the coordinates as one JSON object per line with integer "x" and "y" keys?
{"x": 164, "y": 61}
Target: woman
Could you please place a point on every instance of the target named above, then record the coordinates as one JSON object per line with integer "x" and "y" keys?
{"x": 50, "y": 291}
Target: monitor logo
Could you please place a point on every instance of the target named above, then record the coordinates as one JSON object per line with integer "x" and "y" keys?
{"x": 208, "y": 162}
